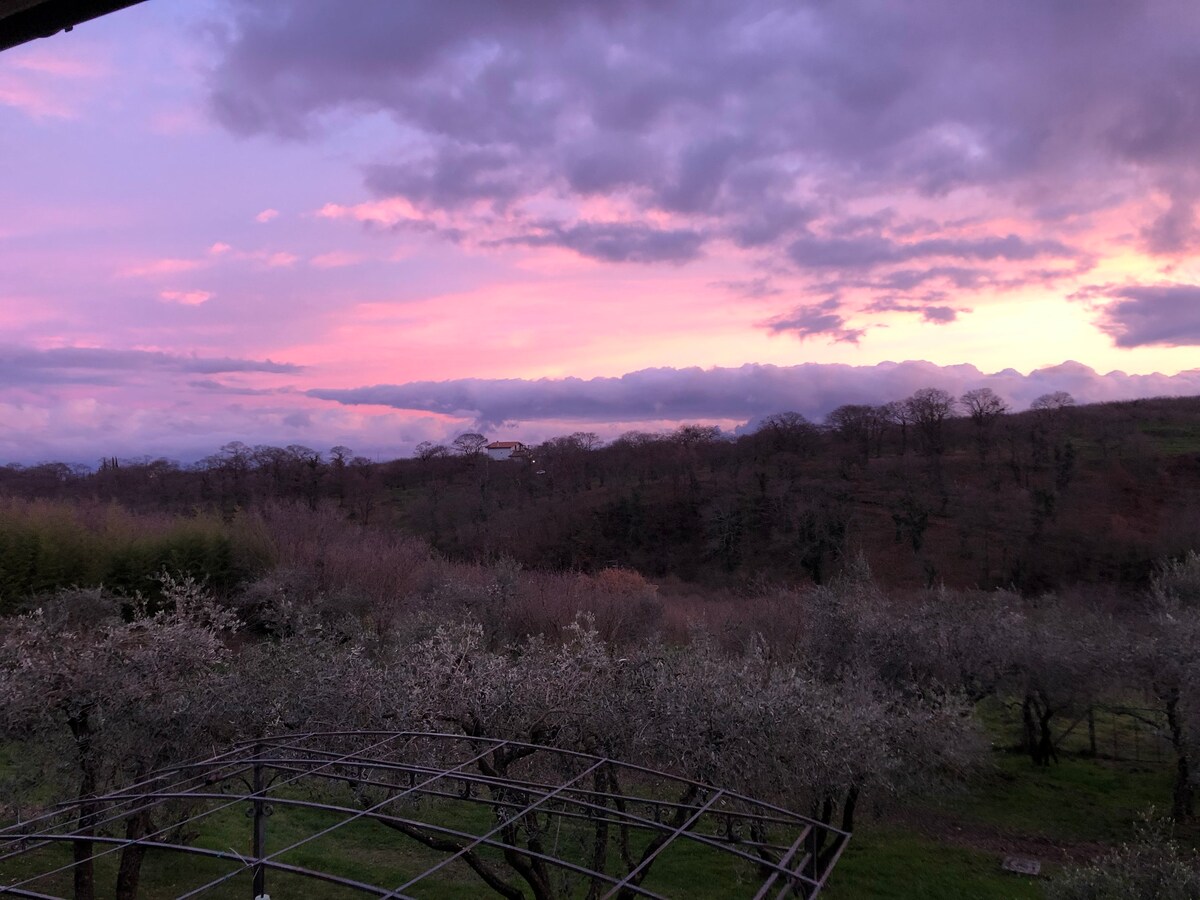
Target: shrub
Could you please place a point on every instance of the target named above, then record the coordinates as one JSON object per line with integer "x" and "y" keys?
{"x": 1154, "y": 866}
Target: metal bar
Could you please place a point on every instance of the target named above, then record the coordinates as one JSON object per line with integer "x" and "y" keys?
{"x": 442, "y": 735}
{"x": 612, "y": 816}
{"x": 797, "y": 821}
{"x": 793, "y": 820}
{"x": 223, "y": 854}
{"x": 837, "y": 854}
{"x": 154, "y": 776}
{"x": 780, "y": 867}
{"x": 386, "y": 818}
{"x": 520, "y": 814}
{"x": 629, "y": 818}
{"x": 18, "y": 892}
{"x": 573, "y": 802}
{"x": 143, "y": 840}
{"x": 105, "y": 798}
{"x": 684, "y": 826}
{"x": 325, "y": 831}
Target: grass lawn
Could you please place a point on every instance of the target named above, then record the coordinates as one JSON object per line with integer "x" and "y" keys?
{"x": 894, "y": 864}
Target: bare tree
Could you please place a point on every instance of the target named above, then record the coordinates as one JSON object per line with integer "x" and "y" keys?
{"x": 856, "y": 425}
{"x": 984, "y": 407}
{"x": 929, "y": 408}
{"x": 469, "y": 443}
{"x": 427, "y": 450}
{"x": 789, "y": 431}
{"x": 897, "y": 413}
{"x": 1053, "y": 402}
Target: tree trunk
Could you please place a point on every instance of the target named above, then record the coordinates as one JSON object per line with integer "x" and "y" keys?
{"x": 130, "y": 869}
{"x": 84, "y": 873}
{"x": 1183, "y": 797}
{"x": 1036, "y": 714}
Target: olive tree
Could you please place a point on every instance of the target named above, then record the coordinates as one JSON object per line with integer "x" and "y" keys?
{"x": 113, "y": 699}
{"x": 1166, "y": 661}
{"x": 743, "y": 721}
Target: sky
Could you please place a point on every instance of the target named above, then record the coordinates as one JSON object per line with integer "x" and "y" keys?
{"x": 377, "y": 223}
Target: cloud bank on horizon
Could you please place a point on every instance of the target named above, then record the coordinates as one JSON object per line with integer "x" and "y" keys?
{"x": 743, "y": 394}
{"x": 605, "y": 211}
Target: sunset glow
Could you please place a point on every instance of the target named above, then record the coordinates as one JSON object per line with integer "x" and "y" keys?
{"x": 295, "y": 223}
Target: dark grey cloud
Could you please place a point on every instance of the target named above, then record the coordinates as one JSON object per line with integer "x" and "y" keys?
{"x": 870, "y": 251}
{"x": 817, "y": 320}
{"x": 450, "y": 179}
{"x": 618, "y": 241}
{"x": 742, "y": 393}
{"x": 930, "y": 308}
{"x": 1141, "y": 315}
{"x": 752, "y": 118}
{"x": 939, "y": 314}
{"x": 98, "y": 365}
{"x": 220, "y": 387}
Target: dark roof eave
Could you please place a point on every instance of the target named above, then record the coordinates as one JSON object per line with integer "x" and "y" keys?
{"x": 26, "y": 20}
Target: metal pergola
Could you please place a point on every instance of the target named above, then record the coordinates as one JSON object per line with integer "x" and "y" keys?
{"x": 505, "y": 818}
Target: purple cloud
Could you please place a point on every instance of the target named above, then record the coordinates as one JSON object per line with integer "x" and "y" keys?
{"x": 619, "y": 242}
{"x": 816, "y": 319}
{"x": 752, "y": 113}
{"x": 98, "y": 365}
{"x": 743, "y": 393}
{"x": 1142, "y": 315}
{"x": 930, "y": 310}
{"x": 870, "y": 251}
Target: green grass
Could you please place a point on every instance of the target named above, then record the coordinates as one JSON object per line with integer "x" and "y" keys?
{"x": 892, "y": 864}
{"x": 1173, "y": 438}
{"x": 1075, "y": 800}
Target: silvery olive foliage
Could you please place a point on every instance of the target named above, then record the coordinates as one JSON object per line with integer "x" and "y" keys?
{"x": 1153, "y": 866}
{"x": 740, "y": 721}
{"x": 126, "y": 688}
{"x": 103, "y": 691}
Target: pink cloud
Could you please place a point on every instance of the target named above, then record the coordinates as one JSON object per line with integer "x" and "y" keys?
{"x": 165, "y": 266}
{"x": 47, "y": 61}
{"x": 43, "y": 83}
{"x": 376, "y": 212}
{"x": 335, "y": 259}
{"x": 186, "y": 298}
{"x": 280, "y": 259}
{"x": 266, "y": 215}
{"x": 34, "y": 101}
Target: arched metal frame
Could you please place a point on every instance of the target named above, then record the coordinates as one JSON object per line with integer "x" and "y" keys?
{"x": 526, "y": 787}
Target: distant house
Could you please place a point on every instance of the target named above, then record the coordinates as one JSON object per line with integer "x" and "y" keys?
{"x": 506, "y": 450}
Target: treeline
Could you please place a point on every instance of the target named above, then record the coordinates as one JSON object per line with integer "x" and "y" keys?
{"x": 931, "y": 488}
